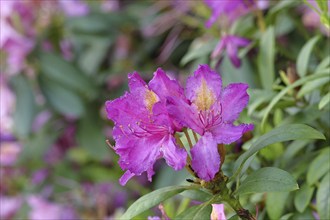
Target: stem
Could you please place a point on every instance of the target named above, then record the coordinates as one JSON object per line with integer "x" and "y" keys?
{"x": 195, "y": 136}
{"x": 188, "y": 138}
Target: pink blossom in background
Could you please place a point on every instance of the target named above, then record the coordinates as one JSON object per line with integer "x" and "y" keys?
{"x": 74, "y": 8}
{"x": 42, "y": 209}
{"x": 229, "y": 10}
{"x": 311, "y": 19}
{"x": 9, "y": 152}
{"x": 110, "y": 5}
{"x": 9, "y": 206}
{"x": 7, "y": 103}
{"x": 230, "y": 43}
{"x": 218, "y": 212}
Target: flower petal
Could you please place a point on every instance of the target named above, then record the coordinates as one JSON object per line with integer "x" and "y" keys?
{"x": 174, "y": 156}
{"x": 228, "y": 133}
{"x": 125, "y": 177}
{"x": 234, "y": 99}
{"x": 205, "y": 157}
{"x": 203, "y": 87}
{"x": 164, "y": 87}
{"x": 218, "y": 212}
{"x": 185, "y": 114}
{"x": 138, "y": 154}
{"x": 232, "y": 54}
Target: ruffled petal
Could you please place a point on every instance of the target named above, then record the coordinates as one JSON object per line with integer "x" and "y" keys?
{"x": 138, "y": 154}
{"x": 228, "y": 133}
{"x": 203, "y": 87}
{"x": 185, "y": 114}
{"x": 234, "y": 99}
{"x": 164, "y": 87}
{"x": 174, "y": 156}
{"x": 205, "y": 157}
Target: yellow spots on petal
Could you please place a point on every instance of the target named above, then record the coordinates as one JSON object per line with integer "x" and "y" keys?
{"x": 150, "y": 99}
{"x": 204, "y": 97}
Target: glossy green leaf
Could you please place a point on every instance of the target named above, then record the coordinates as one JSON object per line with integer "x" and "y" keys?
{"x": 268, "y": 179}
{"x": 61, "y": 99}
{"x": 319, "y": 167}
{"x": 275, "y": 204}
{"x": 278, "y": 97}
{"x": 25, "y": 105}
{"x": 197, "y": 195}
{"x": 152, "y": 199}
{"x": 279, "y": 134}
{"x": 323, "y": 198}
{"x": 266, "y": 58}
{"x": 303, "y": 57}
{"x": 324, "y": 101}
{"x": 303, "y": 197}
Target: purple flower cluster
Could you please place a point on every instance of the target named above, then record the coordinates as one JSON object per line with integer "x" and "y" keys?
{"x": 148, "y": 117}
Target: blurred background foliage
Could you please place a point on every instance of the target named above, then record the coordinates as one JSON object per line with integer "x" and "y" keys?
{"x": 60, "y": 63}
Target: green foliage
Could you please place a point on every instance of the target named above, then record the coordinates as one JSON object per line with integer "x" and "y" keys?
{"x": 268, "y": 179}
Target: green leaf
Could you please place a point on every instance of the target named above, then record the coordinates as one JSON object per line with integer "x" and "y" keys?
{"x": 58, "y": 70}
{"x": 61, "y": 99}
{"x": 150, "y": 200}
{"x": 323, "y": 198}
{"x": 197, "y": 49}
{"x": 303, "y": 197}
{"x": 303, "y": 57}
{"x": 90, "y": 135}
{"x": 319, "y": 167}
{"x": 198, "y": 195}
{"x": 279, "y": 134}
{"x": 284, "y": 91}
{"x": 275, "y": 204}
{"x": 25, "y": 105}
{"x": 198, "y": 212}
{"x": 313, "y": 85}
{"x": 324, "y": 101}
{"x": 266, "y": 58}
{"x": 268, "y": 179}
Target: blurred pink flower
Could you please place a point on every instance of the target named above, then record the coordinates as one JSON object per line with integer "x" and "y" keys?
{"x": 218, "y": 212}
{"x": 9, "y": 206}
{"x": 311, "y": 19}
{"x": 230, "y": 43}
{"x": 7, "y": 103}
{"x": 44, "y": 210}
{"x": 74, "y": 8}
{"x": 110, "y": 5}
{"x": 9, "y": 152}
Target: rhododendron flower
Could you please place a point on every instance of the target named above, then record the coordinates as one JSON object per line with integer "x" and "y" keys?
{"x": 230, "y": 43}
{"x": 218, "y": 212}
{"x": 211, "y": 114}
{"x": 231, "y": 10}
{"x": 143, "y": 129}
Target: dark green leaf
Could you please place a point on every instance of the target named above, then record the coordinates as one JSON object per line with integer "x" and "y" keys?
{"x": 58, "y": 70}
{"x": 25, "y": 105}
{"x": 303, "y": 57}
{"x": 268, "y": 179}
{"x": 275, "y": 203}
{"x": 280, "y": 134}
{"x": 303, "y": 197}
{"x": 150, "y": 200}
{"x": 319, "y": 167}
{"x": 61, "y": 99}
{"x": 323, "y": 198}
